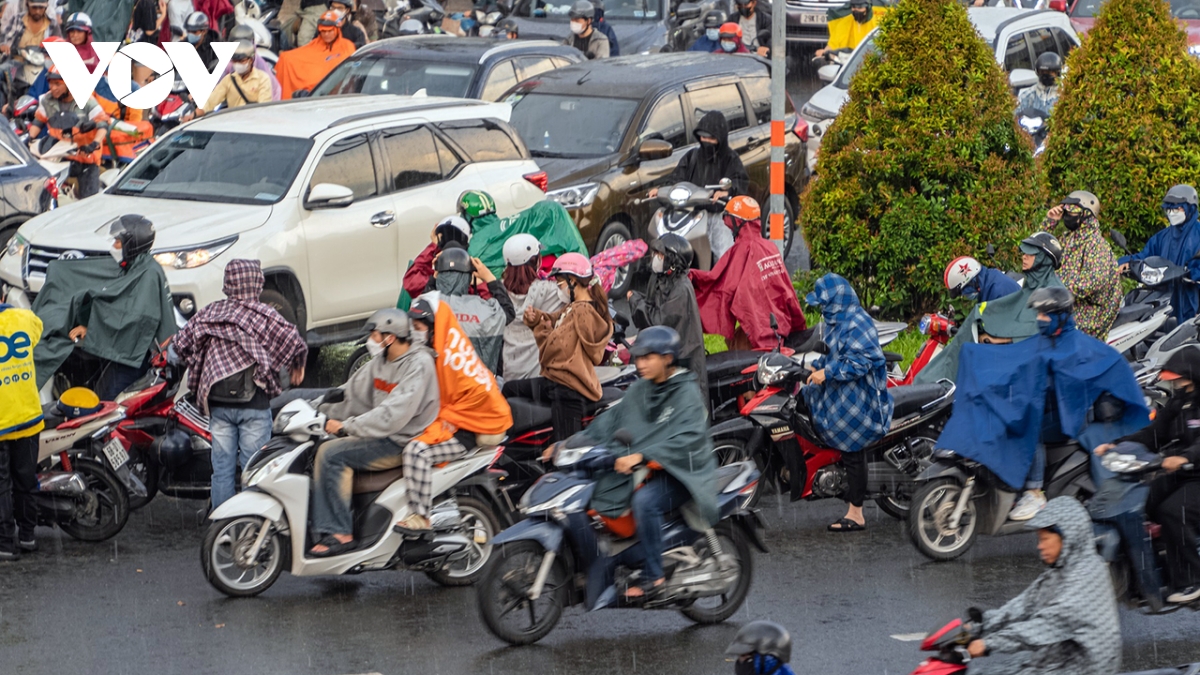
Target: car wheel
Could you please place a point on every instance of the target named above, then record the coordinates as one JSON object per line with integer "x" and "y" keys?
{"x": 613, "y": 235}
{"x": 789, "y": 228}
{"x": 280, "y": 303}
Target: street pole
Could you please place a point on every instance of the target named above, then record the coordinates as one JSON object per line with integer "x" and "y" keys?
{"x": 778, "y": 104}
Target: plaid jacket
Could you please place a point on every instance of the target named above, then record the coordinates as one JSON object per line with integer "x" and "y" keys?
{"x": 231, "y": 335}
{"x": 853, "y": 407}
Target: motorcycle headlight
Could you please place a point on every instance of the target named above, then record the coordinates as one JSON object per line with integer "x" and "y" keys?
{"x": 193, "y": 256}
{"x": 267, "y": 469}
{"x": 576, "y": 196}
{"x": 679, "y": 197}
{"x": 770, "y": 374}
{"x": 281, "y": 423}
{"x": 560, "y": 502}
{"x": 923, "y": 327}
{"x": 1152, "y": 276}
{"x": 17, "y": 247}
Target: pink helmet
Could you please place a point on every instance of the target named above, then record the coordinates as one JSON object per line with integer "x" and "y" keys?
{"x": 572, "y": 265}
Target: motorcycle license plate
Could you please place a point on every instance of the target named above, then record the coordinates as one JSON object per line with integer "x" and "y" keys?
{"x": 115, "y": 452}
{"x": 813, "y": 18}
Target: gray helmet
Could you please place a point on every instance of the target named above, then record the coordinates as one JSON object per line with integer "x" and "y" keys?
{"x": 242, "y": 33}
{"x": 582, "y": 9}
{"x": 657, "y": 340}
{"x": 1050, "y": 61}
{"x": 1052, "y": 300}
{"x": 454, "y": 259}
{"x": 1181, "y": 194}
{"x": 1085, "y": 199}
{"x": 388, "y": 320}
{"x": 762, "y": 637}
{"x": 196, "y": 21}
{"x": 715, "y": 18}
{"x": 1045, "y": 242}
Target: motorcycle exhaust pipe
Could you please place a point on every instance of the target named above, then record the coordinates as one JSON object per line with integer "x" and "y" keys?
{"x": 67, "y": 483}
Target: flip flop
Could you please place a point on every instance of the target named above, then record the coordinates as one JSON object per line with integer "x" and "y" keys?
{"x": 332, "y": 547}
{"x": 846, "y": 525}
{"x": 649, "y": 589}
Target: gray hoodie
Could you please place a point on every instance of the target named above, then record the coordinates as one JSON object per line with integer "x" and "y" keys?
{"x": 390, "y": 399}
{"x": 1066, "y": 622}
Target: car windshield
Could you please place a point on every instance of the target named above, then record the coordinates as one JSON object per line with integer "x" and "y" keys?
{"x": 216, "y": 166}
{"x": 620, "y": 10}
{"x": 556, "y": 125}
{"x": 384, "y": 74}
{"x": 848, "y": 71}
{"x": 1180, "y": 9}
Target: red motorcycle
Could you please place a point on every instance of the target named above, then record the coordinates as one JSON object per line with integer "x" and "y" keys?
{"x": 951, "y": 644}
{"x": 941, "y": 329}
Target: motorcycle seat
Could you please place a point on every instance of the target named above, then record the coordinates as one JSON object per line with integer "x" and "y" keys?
{"x": 52, "y": 416}
{"x": 528, "y": 414}
{"x": 892, "y": 357}
{"x": 366, "y": 482}
{"x": 909, "y": 399}
{"x": 607, "y": 396}
{"x": 725, "y": 365}
{"x": 1132, "y": 313}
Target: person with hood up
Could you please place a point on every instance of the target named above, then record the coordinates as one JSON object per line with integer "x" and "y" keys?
{"x": 1089, "y": 269}
{"x": 761, "y": 648}
{"x": 847, "y": 394}
{"x": 418, "y": 279}
{"x": 664, "y": 413}
{"x": 967, "y": 278}
{"x": 706, "y": 164}
{"x": 1066, "y": 622}
{"x": 547, "y": 220}
{"x": 482, "y": 320}
{"x": 571, "y": 343}
{"x": 604, "y": 27}
{"x": 747, "y": 285}
{"x": 303, "y": 67}
{"x": 234, "y": 350}
{"x": 1179, "y": 242}
{"x": 116, "y": 312}
{"x": 1008, "y": 319}
{"x": 526, "y": 288}
{"x": 670, "y": 301}
{"x": 851, "y": 23}
{"x": 710, "y": 40}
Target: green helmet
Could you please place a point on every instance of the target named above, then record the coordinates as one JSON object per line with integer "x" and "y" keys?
{"x": 475, "y": 203}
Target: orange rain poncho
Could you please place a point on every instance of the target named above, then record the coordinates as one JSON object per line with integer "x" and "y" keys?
{"x": 303, "y": 67}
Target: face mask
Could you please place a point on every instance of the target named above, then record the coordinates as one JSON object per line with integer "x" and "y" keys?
{"x": 564, "y": 295}
{"x": 744, "y": 667}
{"x": 1045, "y": 327}
{"x": 420, "y": 337}
{"x": 1073, "y": 221}
{"x": 241, "y": 68}
{"x": 1176, "y": 216}
{"x": 745, "y": 11}
{"x": 708, "y": 150}
{"x": 1047, "y": 79}
{"x": 117, "y": 254}
{"x": 656, "y": 264}
{"x": 340, "y": 12}
{"x": 860, "y": 17}
{"x": 728, "y": 46}
{"x": 577, "y": 27}
{"x": 713, "y": 34}
{"x": 193, "y": 38}
{"x": 374, "y": 348}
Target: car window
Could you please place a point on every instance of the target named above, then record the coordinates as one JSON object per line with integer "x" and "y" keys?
{"x": 348, "y": 162}
{"x": 412, "y": 156}
{"x": 1065, "y": 43}
{"x": 449, "y": 159}
{"x": 665, "y": 122}
{"x": 1042, "y": 41}
{"x": 560, "y": 62}
{"x": 532, "y": 66}
{"x": 483, "y": 141}
{"x": 501, "y": 79}
{"x": 725, "y": 99}
{"x": 7, "y": 158}
{"x": 759, "y": 91}
{"x": 848, "y": 70}
{"x": 389, "y": 75}
{"x": 1016, "y": 55}
{"x": 554, "y": 125}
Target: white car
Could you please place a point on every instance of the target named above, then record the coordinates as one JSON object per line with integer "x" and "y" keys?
{"x": 1018, "y": 37}
{"x": 335, "y": 195}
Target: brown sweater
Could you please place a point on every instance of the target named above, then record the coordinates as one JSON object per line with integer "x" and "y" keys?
{"x": 572, "y": 343}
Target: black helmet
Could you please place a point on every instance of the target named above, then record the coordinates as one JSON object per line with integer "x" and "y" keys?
{"x": 1181, "y": 194}
{"x": 762, "y": 637}
{"x": 388, "y": 320}
{"x": 1045, "y": 242}
{"x": 454, "y": 258}
{"x": 173, "y": 449}
{"x": 196, "y": 21}
{"x": 421, "y": 310}
{"x": 582, "y": 9}
{"x": 135, "y": 233}
{"x": 657, "y": 340}
{"x": 676, "y": 251}
{"x": 1052, "y": 300}
{"x": 1049, "y": 61}
{"x": 508, "y": 26}
{"x": 715, "y": 18}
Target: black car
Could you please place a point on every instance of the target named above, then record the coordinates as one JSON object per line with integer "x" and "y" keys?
{"x": 24, "y": 185}
{"x": 444, "y": 65}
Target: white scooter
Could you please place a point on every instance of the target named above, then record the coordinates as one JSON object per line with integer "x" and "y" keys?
{"x": 265, "y": 526}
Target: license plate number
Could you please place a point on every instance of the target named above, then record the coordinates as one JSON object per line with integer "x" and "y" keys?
{"x": 813, "y": 18}
{"x": 115, "y": 452}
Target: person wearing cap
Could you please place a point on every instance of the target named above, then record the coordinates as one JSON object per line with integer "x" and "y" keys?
{"x": 1089, "y": 268}
{"x": 584, "y": 35}
{"x": 761, "y": 648}
{"x": 303, "y": 67}
{"x": 663, "y": 412}
{"x": 851, "y": 23}
{"x": 755, "y": 21}
{"x": 390, "y": 401}
{"x": 20, "y": 421}
{"x": 1174, "y": 499}
{"x": 244, "y": 86}
{"x": 710, "y": 39}
{"x": 508, "y": 29}
{"x": 26, "y": 23}
{"x": 526, "y": 288}
{"x": 455, "y": 273}
{"x": 1178, "y": 242}
{"x": 418, "y": 278}
{"x": 87, "y": 133}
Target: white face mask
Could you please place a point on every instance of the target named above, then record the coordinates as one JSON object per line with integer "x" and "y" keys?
{"x": 656, "y": 264}
{"x": 117, "y": 254}
{"x": 1175, "y": 216}
{"x": 713, "y": 34}
{"x": 374, "y": 348}
{"x": 577, "y": 27}
{"x": 420, "y": 337}
{"x": 241, "y": 68}
{"x": 728, "y": 46}
{"x": 564, "y": 295}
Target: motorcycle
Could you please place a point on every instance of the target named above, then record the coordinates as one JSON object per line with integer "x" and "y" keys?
{"x": 684, "y": 210}
{"x": 941, "y": 329}
{"x": 1034, "y": 122}
{"x": 565, "y": 554}
{"x": 265, "y": 526}
{"x": 481, "y": 20}
{"x": 1148, "y": 368}
{"x": 1145, "y": 311}
{"x": 170, "y": 113}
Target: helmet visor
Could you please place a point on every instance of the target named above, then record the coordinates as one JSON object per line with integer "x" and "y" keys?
{"x": 1029, "y": 249}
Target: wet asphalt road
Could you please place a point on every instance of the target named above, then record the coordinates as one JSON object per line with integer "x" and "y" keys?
{"x": 139, "y": 604}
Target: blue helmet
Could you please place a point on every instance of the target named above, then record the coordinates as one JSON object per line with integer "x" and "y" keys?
{"x": 657, "y": 340}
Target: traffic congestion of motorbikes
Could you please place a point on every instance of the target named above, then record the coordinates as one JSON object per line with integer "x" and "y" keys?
{"x": 540, "y": 416}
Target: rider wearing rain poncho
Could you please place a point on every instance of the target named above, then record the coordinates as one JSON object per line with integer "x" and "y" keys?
{"x": 1179, "y": 243}
{"x": 548, "y": 221}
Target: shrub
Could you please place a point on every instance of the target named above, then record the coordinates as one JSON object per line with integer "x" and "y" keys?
{"x": 923, "y": 163}
{"x": 1126, "y": 126}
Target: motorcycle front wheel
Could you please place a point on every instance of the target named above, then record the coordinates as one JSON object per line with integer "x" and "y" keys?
{"x": 928, "y": 521}
{"x": 103, "y": 510}
{"x": 224, "y": 557}
{"x": 717, "y": 608}
{"x": 503, "y": 594}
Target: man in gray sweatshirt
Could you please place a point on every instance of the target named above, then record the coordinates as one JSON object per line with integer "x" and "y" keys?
{"x": 388, "y": 402}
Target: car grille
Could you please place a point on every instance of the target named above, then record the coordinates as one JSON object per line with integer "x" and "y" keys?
{"x": 39, "y": 257}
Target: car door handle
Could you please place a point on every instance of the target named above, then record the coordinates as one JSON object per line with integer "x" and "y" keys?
{"x": 383, "y": 218}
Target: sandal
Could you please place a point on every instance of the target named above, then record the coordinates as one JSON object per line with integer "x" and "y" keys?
{"x": 648, "y": 589}
{"x": 846, "y": 525}
{"x": 332, "y": 547}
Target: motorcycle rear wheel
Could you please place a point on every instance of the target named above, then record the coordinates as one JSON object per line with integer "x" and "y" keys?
{"x": 504, "y": 592}
{"x": 927, "y": 528}
{"x": 223, "y": 542}
{"x": 702, "y": 611}
{"x": 479, "y": 522}
{"x": 107, "y": 507}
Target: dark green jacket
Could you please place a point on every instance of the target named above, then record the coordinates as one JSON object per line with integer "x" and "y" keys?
{"x": 670, "y": 426}
{"x": 125, "y": 312}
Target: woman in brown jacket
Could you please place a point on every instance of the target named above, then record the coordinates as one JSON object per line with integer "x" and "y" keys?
{"x": 571, "y": 343}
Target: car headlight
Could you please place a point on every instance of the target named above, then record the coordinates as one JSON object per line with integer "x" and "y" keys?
{"x": 267, "y": 469}
{"x": 816, "y": 113}
{"x": 193, "y": 256}
{"x": 1152, "y": 276}
{"x": 576, "y": 196}
{"x": 17, "y": 247}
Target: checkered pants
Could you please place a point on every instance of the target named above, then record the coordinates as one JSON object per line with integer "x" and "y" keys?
{"x": 419, "y": 459}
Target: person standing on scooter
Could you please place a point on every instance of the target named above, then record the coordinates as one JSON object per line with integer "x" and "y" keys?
{"x": 665, "y": 414}
{"x": 20, "y": 423}
{"x": 967, "y": 278}
{"x": 1179, "y": 242}
{"x": 1066, "y": 621}
{"x": 761, "y": 648}
{"x": 847, "y": 394}
{"x": 1088, "y": 264}
{"x": 390, "y": 401}
{"x": 1174, "y": 500}
{"x": 234, "y": 350}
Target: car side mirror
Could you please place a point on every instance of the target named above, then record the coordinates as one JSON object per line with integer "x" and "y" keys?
{"x": 654, "y": 148}
{"x": 1119, "y": 239}
{"x": 109, "y": 177}
{"x": 301, "y": 93}
{"x": 1020, "y": 78}
{"x": 1058, "y": 5}
{"x": 328, "y": 196}
{"x": 828, "y": 73}
{"x": 686, "y": 11}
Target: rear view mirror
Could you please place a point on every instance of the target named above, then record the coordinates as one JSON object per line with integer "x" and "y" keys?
{"x": 774, "y": 323}
{"x": 828, "y": 73}
{"x": 687, "y": 11}
{"x": 654, "y": 148}
{"x": 725, "y": 184}
{"x": 1119, "y": 239}
{"x": 328, "y": 196}
{"x": 1020, "y": 78}
{"x": 991, "y": 251}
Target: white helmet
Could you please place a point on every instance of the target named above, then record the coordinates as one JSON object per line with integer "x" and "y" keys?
{"x": 456, "y": 223}
{"x": 521, "y": 248}
{"x": 960, "y": 272}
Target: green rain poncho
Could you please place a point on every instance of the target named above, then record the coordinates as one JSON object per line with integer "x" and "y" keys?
{"x": 546, "y": 220}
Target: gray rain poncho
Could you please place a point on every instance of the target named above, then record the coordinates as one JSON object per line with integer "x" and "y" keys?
{"x": 1066, "y": 622}
{"x": 482, "y": 320}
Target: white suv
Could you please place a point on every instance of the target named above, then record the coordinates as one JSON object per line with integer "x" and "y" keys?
{"x": 335, "y": 195}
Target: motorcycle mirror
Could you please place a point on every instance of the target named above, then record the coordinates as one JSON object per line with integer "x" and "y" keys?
{"x": 1119, "y": 239}
{"x": 335, "y": 395}
{"x": 621, "y": 319}
{"x": 874, "y": 310}
{"x": 975, "y": 614}
{"x": 991, "y": 251}
{"x": 725, "y": 184}
{"x": 774, "y": 323}
{"x": 624, "y": 437}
